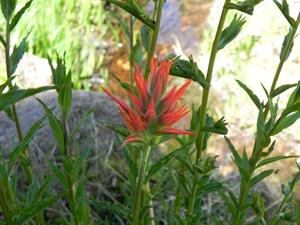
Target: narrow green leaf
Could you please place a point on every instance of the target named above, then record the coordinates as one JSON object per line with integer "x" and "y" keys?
{"x": 6, "y": 84}
{"x": 258, "y": 205}
{"x": 284, "y": 45}
{"x": 132, "y": 7}
{"x": 59, "y": 174}
{"x": 17, "y": 55}
{"x": 79, "y": 124}
{"x": 274, "y": 159}
{"x": 261, "y": 176}
{"x": 117, "y": 208}
{"x": 11, "y": 97}
{"x": 284, "y": 8}
{"x": 19, "y": 14}
{"x": 8, "y": 7}
{"x": 56, "y": 127}
{"x": 253, "y": 97}
{"x": 232, "y": 31}
{"x": 2, "y": 41}
{"x": 66, "y": 92}
{"x": 24, "y": 143}
{"x": 134, "y": 52}
{"x": 145, "y": 36}
{"x": 161, "y": 163}
{"x": 119, "y": 130}
{"x": 234, "y": 152}
{"x": 282, "y": 89}
{"x": 285, "y": 122}
{"x": 34, "y": 208}
{"x": 77, "y": 165}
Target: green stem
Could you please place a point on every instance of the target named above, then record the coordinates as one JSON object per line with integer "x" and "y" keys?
{"x": 5, "y": 206}
{"x": 200, "y": 134}
{"x": 139, "y": 187}
{"x": 286, "y": 51}
{"x": 244, "y": 190}
{"x": 151, "y": 209}
{"x": 26, "y": 167}
{"x": 131, "y": 41}
{"x": 277, "y": 211}
{"x": 154, "y": 36}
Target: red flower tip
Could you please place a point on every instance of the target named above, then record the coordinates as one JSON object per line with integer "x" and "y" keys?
{"x": 152, "y": 107}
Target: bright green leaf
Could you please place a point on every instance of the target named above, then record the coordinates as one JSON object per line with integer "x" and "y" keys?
{"x": 17, "y": 95}
{"x": 285, "y": 122}
{"x": 261, "y": 176}
{"x": 17, "y": 55}
{"x": 19, "y": 14}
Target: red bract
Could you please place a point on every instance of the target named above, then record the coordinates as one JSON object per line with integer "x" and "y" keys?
{"x": 153, "y": 112}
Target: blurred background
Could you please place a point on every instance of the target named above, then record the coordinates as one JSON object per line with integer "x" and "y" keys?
{"x": 91, "y": 32}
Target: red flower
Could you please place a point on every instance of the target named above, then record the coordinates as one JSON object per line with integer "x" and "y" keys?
{"x": 153, "y": 112}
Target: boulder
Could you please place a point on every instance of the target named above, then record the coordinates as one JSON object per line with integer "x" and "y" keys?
{"x": 92, "y": 136}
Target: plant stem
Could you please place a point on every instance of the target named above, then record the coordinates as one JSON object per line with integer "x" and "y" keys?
{"x": 244, "y": 189}
{"x": 26, "y": 167}
{"x": 151, "y": 209}
{"x": 286, "y": 52}
{"x": 5, "y": 206}
{"x": 131, "y": 40}
{"x": 144, "y": 158}
{"x": 200, "y": 134}
{"x": 155, "y": 32}
{"x": 277, "y": 211}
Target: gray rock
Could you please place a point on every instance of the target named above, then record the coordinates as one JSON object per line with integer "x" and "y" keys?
{"x": 91, "y": 136}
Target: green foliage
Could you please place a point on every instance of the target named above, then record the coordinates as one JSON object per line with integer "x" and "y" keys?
{"x": 132, "y": 7}
{"x": 188, "y": 70}
{"x": 232, "y": 31}
{"x": 246, "y": 6}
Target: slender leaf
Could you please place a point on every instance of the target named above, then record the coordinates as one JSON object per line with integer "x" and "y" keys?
{"x": 24, "y": 143}
{"x": 161, "y": 163}
{"x": 14, "y": 96}
{"x": 253, "y": 97}
{"x": 282, "y": 89}
{"x": 2, "y": 41}
{"x": 145, "y": 35}
{"x": 261, "y": 176}
{"x": 284, "y": 8}
{"x": 79, "y": 124}
{"x": 117, "y": 208}
{"x": 34, "y": 208}
{"x": 285, "y": 122}
{"x": 132, "y": 7}
{"x": 19, "y": 14}
{"x": 284, "y": 45}
{"x": 274, "y": 159}
{"x": 17, "y": 55}
{"x": 8, "y": 7}
{"x": 56, "y": 127}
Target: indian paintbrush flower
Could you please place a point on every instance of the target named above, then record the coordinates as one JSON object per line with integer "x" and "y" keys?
{"x": 153, "y": 111}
